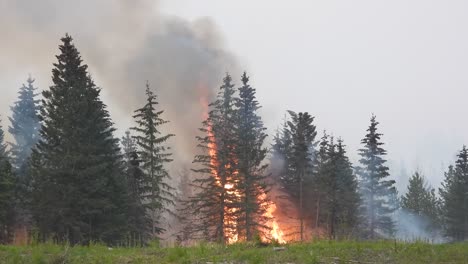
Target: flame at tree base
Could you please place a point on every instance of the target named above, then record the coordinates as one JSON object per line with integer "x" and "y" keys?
{"x": 275, "y": 233}
{"x": 230, "y": 224}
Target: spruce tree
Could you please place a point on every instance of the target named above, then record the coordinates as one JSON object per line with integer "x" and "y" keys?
{"x": 215, "y": 202}
{"x": 79, "y": 188}
{"x": 303, "y": 134}
{"x": 280, "y": 158}
{"x": 282, "y": 180}
{"x": 321, "y": 181}
{"x": 24, "y": 125}
{"x": 250, "y": 153}
{"x": 138, "y": 221}
{"x": 184, "y": 213}
{"x": 7, "y": 193}
{"x": 337, "y": 191}
{"x": 128, "y": 146}
{"x": 345, "y": 202}
{"x": 25, "y": 131}
{"x": 420, "y": 201}
{"x": 154, "y": 156}
{"x": 376, "y": 190}
{"x": 454, "y": 194}
{"x": 418, "y": 198}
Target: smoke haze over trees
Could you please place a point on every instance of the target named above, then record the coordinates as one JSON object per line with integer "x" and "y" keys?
{"x": 67, "y": 176}
{"x": 328, "y": 60}
{"x": 181, "y": 59}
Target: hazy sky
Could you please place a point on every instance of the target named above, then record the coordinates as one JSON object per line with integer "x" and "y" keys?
{"x": 405, "y": 61}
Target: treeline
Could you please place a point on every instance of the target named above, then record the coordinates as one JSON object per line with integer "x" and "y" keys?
{"x": 67, "y": 178}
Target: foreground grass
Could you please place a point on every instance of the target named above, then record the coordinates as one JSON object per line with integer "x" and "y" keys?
{"x": 317, "y": 252}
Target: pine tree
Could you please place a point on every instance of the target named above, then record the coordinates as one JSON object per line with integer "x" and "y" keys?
{"x": 454, "y": 194}
{"x": 215, "y": 201}
{"x": 79, "y": 188}
{"x": 376, "y": 190}
{"x": 303, "y": 136}
{"x": 280, "y": 158}
{"x": 336, "y": 186}
{"x": 24, "y": 125}
{"x": 25, "y": 130}
{"x": 321, "y": 181}
{"x": 154, "y": 156}
{"x": 282, "y": 179}
{"x": 420, "y": 197}
{"x": 128, "y": 146}
{"x": 344, "y": 216}
{"x": 7, "y": 193}
{"x": 420, "y": 200}
{"x": 251, "y": 170}
{"x": 185, "y": 192}
{"x": 138, "y": 221}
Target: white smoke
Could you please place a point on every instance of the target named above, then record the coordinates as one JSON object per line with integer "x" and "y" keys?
{"x": 411, "y": 227}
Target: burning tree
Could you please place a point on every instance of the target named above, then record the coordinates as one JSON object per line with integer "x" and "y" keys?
{"x": 216, "y": 202}
{"x": 231, "y": 203}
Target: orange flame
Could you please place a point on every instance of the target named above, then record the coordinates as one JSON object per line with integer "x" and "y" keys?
{"x": 230, "y": 224}
{"x": 275, "y": 231}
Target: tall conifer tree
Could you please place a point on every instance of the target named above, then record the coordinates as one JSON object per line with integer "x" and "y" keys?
{"x": 138, "y": 220}
{"x": 7, "y": 193}
{"x": 154, "y": 155}
{"x": 303, "y": 134}
{"x": 215, "y": 203}
{"x": 79, "y": 188}
{"x": 184, "y": 213}
{"x": 337, "y": 190}
{"x": 280, "y": 158}
{"x": 454, "y": 194}
{"x": 344, "y": 201}
{"x": 24, "y": 128}
{"x": 377, "y": 191}
{"x": 251, "y": 169}
{"x": 321, "y": 181}
{"x": 24, "y": 124}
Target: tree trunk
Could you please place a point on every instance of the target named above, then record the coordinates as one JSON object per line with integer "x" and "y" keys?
{"x": 301, "y": 213}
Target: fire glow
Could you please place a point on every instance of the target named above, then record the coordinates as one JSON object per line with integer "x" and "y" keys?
{"x": 230, "y": 231}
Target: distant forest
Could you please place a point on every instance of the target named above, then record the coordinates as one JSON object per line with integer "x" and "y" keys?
{"x": 66, "y": 178}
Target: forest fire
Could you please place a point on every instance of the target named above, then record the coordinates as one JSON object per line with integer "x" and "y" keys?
{"x": 274, "y": 232}
{"x": 229, "y": 222}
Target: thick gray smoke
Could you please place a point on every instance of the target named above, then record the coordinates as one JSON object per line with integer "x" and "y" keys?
{"x": 125, "y": 43}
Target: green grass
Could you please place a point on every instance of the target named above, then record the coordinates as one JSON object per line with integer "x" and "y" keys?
{"x": 316, "y": 252}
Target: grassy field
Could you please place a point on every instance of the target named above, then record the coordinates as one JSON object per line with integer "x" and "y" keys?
{"x": 317, "y": 252}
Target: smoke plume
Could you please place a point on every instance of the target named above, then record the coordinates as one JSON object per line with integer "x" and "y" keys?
{"x": 412, "y": 228}
{"x": 125, "y": 43}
